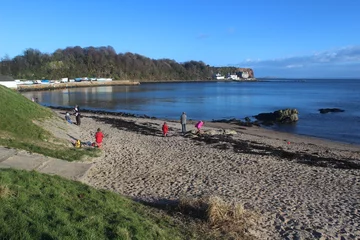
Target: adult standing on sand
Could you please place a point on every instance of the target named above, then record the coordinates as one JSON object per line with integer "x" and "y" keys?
{"x": 76, "y": 109}
{"x": 77, "y": 117}
{"x": 183, "y": 122}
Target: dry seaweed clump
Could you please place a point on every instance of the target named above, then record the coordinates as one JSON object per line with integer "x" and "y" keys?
{"x": 5, "y": 192}
{"x": 225, "y": 220}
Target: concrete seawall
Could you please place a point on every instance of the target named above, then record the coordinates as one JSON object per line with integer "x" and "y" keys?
{"x": 35, "y": 87}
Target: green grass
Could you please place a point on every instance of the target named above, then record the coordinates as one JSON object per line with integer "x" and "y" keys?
{"x": 18, "y": 113}
{"x": 39, "y": 206}
{"x": 17, "y": 129}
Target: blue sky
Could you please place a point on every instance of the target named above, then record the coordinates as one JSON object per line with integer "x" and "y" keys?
{"x": 282, "y": 38}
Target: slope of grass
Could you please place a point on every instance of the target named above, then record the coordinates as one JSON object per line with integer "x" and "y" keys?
{"x": 39, "y": 206}
{"x": 18, "y": 130}
{"x": 18, "y": 113}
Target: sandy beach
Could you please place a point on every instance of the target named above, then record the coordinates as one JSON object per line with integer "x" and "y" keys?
{"x": 302, "y": 187}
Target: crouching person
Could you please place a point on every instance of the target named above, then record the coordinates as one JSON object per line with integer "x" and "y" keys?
{"x": 199, "y": 125}
{"x": 99, "y": 138}
{"x": 67, "y": 118}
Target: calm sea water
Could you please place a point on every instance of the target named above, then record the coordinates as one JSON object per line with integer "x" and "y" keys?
{"x": 219, "y": 100}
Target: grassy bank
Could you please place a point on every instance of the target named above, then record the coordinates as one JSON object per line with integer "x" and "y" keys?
{"x": 38, "y": 206}
{"x": 18, "y": 130}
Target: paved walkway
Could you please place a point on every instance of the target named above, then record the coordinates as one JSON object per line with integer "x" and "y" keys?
{"x": 20, "y": 159}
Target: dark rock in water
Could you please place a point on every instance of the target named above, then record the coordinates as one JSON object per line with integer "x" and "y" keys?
{"x": 327, "y": 110}
{"x": 247, "y": 123}
{"x": 279, "y": 116}
{"x": 232, "y": 120}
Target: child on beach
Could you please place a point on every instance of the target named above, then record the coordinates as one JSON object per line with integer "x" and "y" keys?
{"x": 78, "y": 143}
{"x": 165, "y": 129}
{"x": 99, "y": 138}
{"x": 199, "y": 125}
{"x": 67, "y": 117}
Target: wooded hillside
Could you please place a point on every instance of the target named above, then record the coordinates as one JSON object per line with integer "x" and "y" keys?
{"x": 75, "y": 62}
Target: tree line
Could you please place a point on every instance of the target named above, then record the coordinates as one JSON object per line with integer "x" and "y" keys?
{"x": 103, "y": 62}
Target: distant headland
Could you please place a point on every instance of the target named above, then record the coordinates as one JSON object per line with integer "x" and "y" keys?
{"x": 104, "y": 62}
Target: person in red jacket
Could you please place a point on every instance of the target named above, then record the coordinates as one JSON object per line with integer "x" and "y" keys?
{"x": 99, "y": 138}
{"x": 165, "y": 129}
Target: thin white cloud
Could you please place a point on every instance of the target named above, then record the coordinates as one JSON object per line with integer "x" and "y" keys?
{"x": 294, "y": 66}
{"x": 339, "y": 56}
{"x": 341, "y": 62}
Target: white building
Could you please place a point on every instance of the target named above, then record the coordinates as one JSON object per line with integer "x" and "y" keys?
{"x": 218, "y": 76}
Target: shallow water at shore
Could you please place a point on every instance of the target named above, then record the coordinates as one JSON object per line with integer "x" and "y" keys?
{"x": 218, "y": 100}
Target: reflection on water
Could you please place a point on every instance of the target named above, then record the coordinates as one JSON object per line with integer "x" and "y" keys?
{"x": 212, "y": 100}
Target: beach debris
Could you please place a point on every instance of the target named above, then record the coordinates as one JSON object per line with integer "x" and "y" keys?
{"x": 211, "y": 132}
{"x": 230, "y": 217}
{"x": 214, "y": 132}
{"x": 230, "y": 132}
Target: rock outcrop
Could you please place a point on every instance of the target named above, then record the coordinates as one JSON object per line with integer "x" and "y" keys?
{"x": 248, "y": 70}
{"x": 279, "y": 116}
{"x": 327, "y": 110}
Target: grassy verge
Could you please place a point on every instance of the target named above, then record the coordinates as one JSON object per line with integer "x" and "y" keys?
{"x": 60, "y": 152}
{"x": 38, "y": 206}
{"x": 18, "y": 130}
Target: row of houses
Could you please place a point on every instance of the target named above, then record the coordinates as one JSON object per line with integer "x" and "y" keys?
{"x": 232, "y": 76}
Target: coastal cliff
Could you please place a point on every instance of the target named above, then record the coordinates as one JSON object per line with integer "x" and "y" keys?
{"x": 250, "y": 71}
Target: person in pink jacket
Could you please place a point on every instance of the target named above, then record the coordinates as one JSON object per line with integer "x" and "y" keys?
{"x": 199, "y": 125}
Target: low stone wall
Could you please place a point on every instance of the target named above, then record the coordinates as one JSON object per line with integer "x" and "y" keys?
{"x": 50, "y": 86}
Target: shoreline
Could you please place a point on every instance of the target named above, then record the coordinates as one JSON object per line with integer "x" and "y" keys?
{"x": 206, "y": 80}
{"x": 306, "y": 189}
{"x": 212, "y": 123}
{"x": 39, "y": 87}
